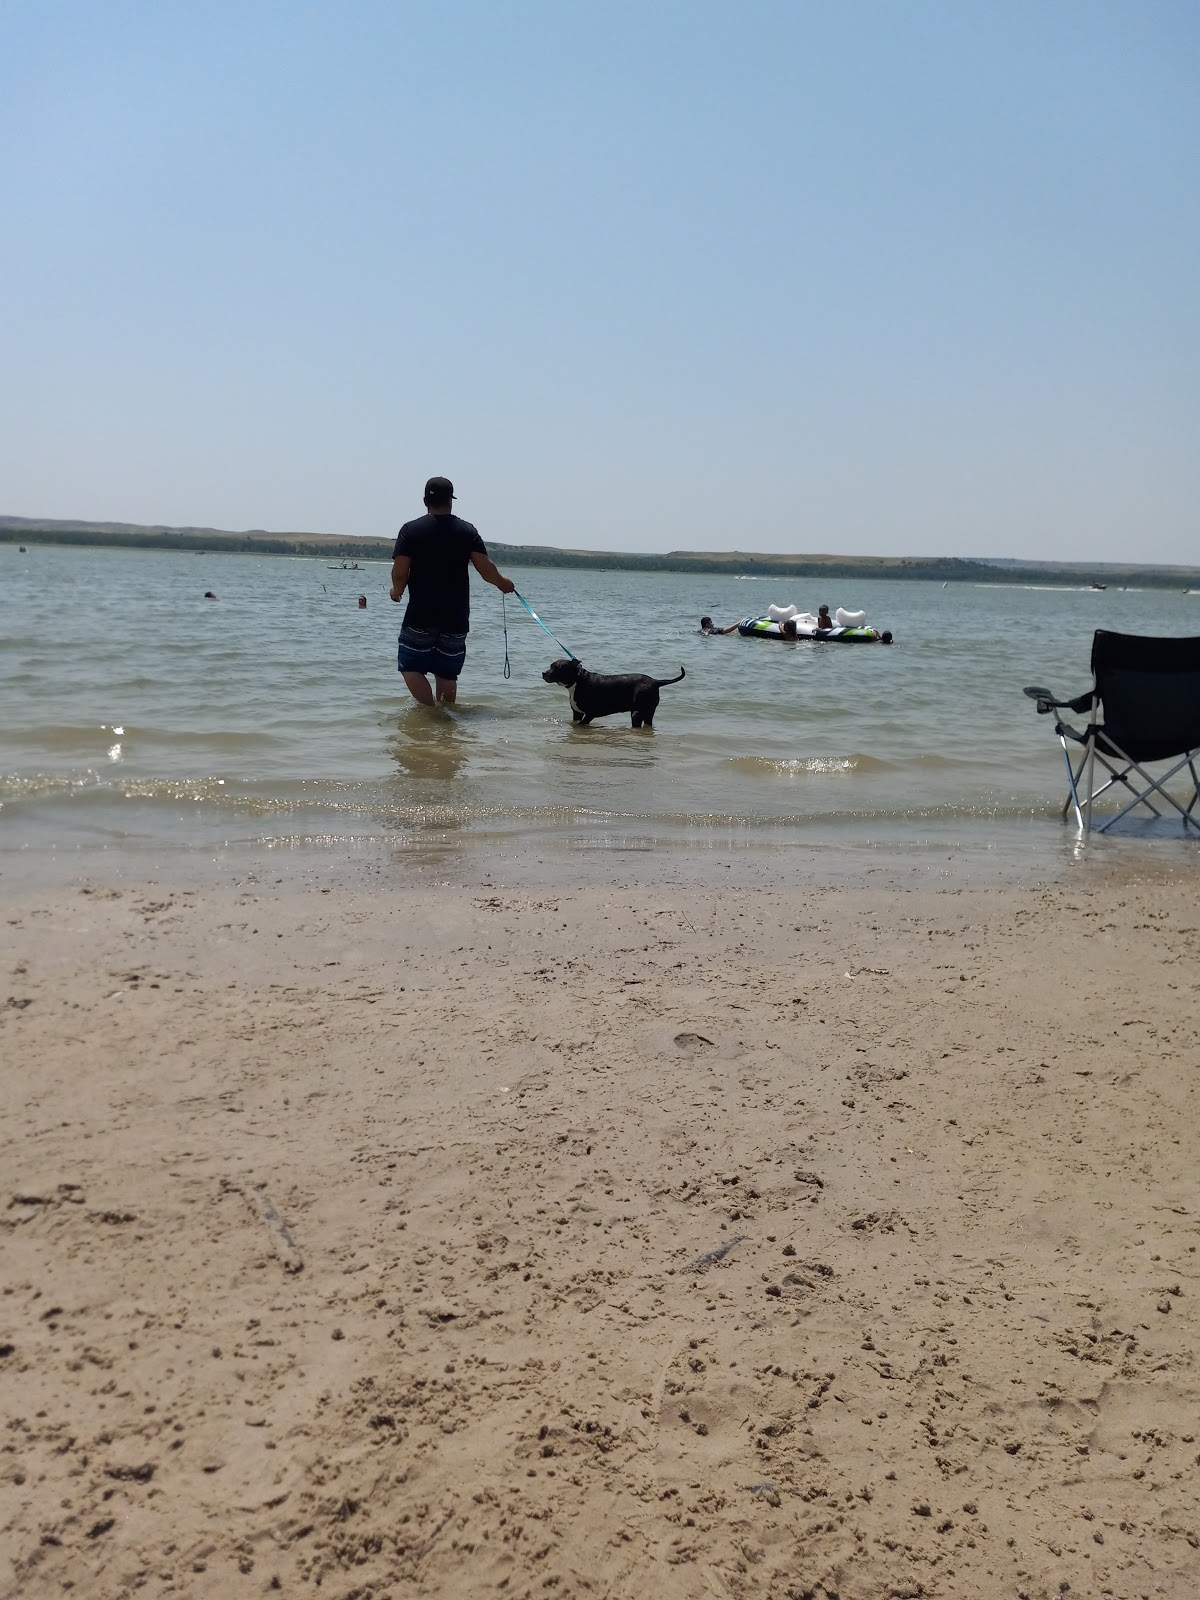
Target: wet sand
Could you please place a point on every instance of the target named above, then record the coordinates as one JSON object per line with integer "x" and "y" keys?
{"x": 423, "y": 1238}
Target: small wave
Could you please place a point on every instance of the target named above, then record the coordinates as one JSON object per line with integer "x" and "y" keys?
{"x": 298, "y": 796}
{"x": 62, "y": 736}
{"x": 871, "y": 816}
{"x": 215, "y": 738}
{"x": 807, "y": 766}
{"x": 39, "y": 785}
{"x": 65, "y": 737}
{"x": 101, "y": 790}
{"x": 316, "y": 809}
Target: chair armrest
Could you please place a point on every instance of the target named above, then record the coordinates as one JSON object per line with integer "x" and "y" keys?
{"x": 1047, "y": 701}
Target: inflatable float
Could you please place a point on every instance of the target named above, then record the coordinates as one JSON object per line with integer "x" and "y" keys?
{"x": 770, "y": 627}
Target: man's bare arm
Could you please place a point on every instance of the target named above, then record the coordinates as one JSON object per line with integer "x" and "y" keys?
{"x": 490, "y": 572}
{"x": 400, "y": 569}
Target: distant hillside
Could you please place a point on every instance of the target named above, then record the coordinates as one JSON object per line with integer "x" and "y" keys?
{"x": 348, "y": 547}
{"x": 142, "y": 536}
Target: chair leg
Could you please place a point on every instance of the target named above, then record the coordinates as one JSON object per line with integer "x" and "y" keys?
{"x": 1072, "y": 783}
{"x": 1140, "y": 797}
{"x": 1073, "y": 777}
{"x": 1090, "y": 782}
{"x": 1122, "y": 777}
{"x": 1159, "y": 785}
{"x": 1195, "y": 788}
{"x": 1083, "y": 807}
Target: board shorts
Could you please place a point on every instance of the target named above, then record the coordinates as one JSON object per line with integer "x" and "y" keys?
{"x": 430, "y": 650}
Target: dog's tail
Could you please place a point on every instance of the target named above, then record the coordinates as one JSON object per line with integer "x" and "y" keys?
{"x": 661, "y": 683}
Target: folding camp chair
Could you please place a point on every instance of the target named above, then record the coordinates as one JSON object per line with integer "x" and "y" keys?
{"x": 1150, "y": 693}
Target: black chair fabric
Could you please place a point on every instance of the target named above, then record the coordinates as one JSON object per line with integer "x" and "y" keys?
{"x": 1150, "y": 691}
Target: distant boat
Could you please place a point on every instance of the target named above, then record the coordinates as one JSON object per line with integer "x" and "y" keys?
{"x": 346, "y": 566}
{"x": 1097, "y": 586}
{"x": 22, "y": 551}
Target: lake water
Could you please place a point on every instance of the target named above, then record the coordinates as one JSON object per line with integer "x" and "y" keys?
{"x": 135, "y": 712}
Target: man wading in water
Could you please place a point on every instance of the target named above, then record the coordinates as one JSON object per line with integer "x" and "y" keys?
{"x": 430, "y": 560}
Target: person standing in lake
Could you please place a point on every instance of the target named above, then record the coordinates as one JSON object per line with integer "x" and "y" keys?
{"x": 431, "y": 561}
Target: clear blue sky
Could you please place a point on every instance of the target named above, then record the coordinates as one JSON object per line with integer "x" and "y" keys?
{"x": 871, "y": 276}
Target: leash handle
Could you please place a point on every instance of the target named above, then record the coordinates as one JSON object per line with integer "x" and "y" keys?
{"x": 568, "y": 653}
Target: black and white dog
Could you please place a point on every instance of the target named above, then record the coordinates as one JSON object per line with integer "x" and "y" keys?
{"x": 602, "y": 694}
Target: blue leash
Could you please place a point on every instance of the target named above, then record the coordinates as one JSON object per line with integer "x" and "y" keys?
{"x": 507, "y": 669}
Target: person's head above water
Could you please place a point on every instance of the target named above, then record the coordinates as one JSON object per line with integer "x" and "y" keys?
{"x": 706, "y": 624}
{"x": 439, "y": 493}
{"x": 362, "y": 602}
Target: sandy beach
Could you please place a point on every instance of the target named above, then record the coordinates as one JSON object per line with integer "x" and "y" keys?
{"x": 420, "y": 1237}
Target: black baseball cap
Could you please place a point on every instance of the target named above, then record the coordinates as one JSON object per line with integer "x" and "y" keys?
{"x": 439, "y": 490}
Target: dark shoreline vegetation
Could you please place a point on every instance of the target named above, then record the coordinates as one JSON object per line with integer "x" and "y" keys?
{"x": 944, "y": 569}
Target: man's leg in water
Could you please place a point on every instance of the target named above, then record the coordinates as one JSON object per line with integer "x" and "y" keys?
{"x": 423, "y": 651}
{"x": 448, "y": 658}
{"x": 418, "y": 687}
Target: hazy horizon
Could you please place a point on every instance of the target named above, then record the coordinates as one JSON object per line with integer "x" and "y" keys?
{"x": 860, "y": 280}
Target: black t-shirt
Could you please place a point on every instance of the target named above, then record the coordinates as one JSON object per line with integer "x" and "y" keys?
{"x": 440, "y": 548}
